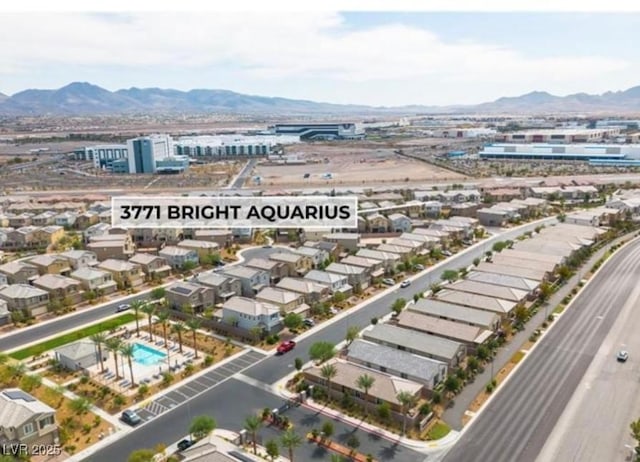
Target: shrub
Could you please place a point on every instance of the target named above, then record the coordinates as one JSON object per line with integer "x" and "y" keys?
{"x": 97, "y": 420}
{"x": 143, "y": 389}
{"x": 490, "y": 387}
{"x": 374, "y": 321}
{"x": 86, "y": 428}
{"x": 84, "y": 379}
{"x": 315, "y": 433}
{"x": 208, "y": 360}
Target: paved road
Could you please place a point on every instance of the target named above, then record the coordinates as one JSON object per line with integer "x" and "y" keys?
{"x": 610, "y": 392}
{"x": 238, "y": 182}
{"x": 516, "y": 423}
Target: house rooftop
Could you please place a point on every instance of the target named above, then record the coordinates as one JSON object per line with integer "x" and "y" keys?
{"x": 211, "y": 279}
{"x": 249, "y": 306}
{"x": 88, "y": 274}
{"x": 496, "y": 305}
{"x": 503, "y": 280}
{"x": 323, "y": 277}
{"x": 55, "y": 281}
{"x": 377, "y": 255}
{"x": 482, "y": 288}
{"x": 46, "y": 260}
{"x": 443, "y": 327}
{"x": 175, "y": 251}
{"x": 15, "y": 267}
{"x": 300, "y": 285}
{"x": 286, "y": 257}
{"x": 262, "y": 263}
{"x": 16, "y": 291}
{"x": 277, "y": 296}
{"x": 341, "y": 268}
{"x": 192, "y": 243}
{"x": 528, "y": 273}
{"x": 433, "y": 307}
{"x": 112, "y": 264}
{"x": 184, "y": 288}
{"x": 241, "y": 271}
{"x": 143, "y": 258}
{"x": 413, "y": 340}
{"x": 77, "y": 254}
{"x": 17, "y": 407}
{"x": 77, "y": 350}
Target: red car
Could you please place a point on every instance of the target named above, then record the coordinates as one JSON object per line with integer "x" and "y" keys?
{"x": 286, "y": 346}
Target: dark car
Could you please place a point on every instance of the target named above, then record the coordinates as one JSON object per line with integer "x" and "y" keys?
{"x": 185, "y": 444}
{"x": 286, "y": 346}
{"x": 131, "y": 418}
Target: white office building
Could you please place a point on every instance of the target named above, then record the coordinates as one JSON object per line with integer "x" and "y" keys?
{"x": 232, "y": 145}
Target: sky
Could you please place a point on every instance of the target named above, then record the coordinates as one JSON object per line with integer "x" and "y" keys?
{"x": 379, "y": 58}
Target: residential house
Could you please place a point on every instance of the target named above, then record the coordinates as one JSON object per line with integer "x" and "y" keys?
{"x": 86, "y": 219}
{"x": 197, "y": 296}
{"x": 153, "y": 266}
{"x": 389, "y": 260}
{"x": 332, "y": 249}
{"x": 51, "y": 264}
{"x": 468, "y": 335}
{"x": 335, "y": 282}
{"x": 347, "y": 241}
{"x": 242, "y": 235}
{"x": 80, "y": 355}
{"x": 415, "y": 247}
{"x": 205, "y": 249}
{"x": 356, "y": 275}
{"x": 99, "y": 229}
{"x": 503, "y": 194}
{"x": 95, "y": 280}
{"x": 426, "y": 371}
{"x": 5, "y": 314}
{"x": 481, "y": 288}
{"x": 402, "y": 251}
{"x": 156, "y": 237}
{"x": 526, "y": 273}
{"x": 466, "y": 209}
{"x": 493, "y": 216}
{"x": 442, "y": 236}
{"x": 27, "y": 421}
{"x": 504, "y": 308}
{"x": 276, "y": 269}
{"x": 60, "y": 288}
{"x": 374, "y": 268}
{"x": 399, "y": 223}
{"x": 298, "y": 265}
{"x": 249, "y": 314}
{"x": 19, "y": 272}
{"x": 44, "y": 219}
{"x": 317, "y": 255}
{"x": 49, "y": 235}
{"x": 385, "y": 388}
{"x": 21, "y": 220}
{"x": 222, "y": 237}
{"x": 178, "y": 257}
{"x": 24, "y": 297}
{"x": 126, "y": 274}
{"x": 112, "y": 246}
{"x": 526, "y": 255}
{"x": 377, "y": 223}
{"x": 419, "y": 343}
{"x": 426, "y": 241}
{"x": 432, "y": 209}
{"x": 458, "y": 313}
{"x": 545, "y": 266}
{"x": 534, "y": 207}
{"x": 80, "y": 258}
{"x": 528, "y": 285}
{"x": 252, "y": 279}
{"x": 22, "y": 238}
{"x": 312, "y": 291}
{"x": 286, "y": 300}
{"x": 223, "y": 287}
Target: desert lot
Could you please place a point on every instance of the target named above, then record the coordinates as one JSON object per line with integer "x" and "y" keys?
{"x": 349, "y": 167}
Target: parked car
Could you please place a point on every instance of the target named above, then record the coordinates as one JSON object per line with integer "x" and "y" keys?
{"x": 623, "y": 356}
{"x": 123, "y": 307}
{"x": 388, "y": 281}
{"x": 130, "y": 417}
{"x": 286, "y": 346}
{"x": 309, "y": 322}
{"x": 185, "y": 444}
{"x": 405, "y": 283}
{"x": 333, "y": 310}
{"x": 419, "y": 267}
{"x": 268, "y": 246}
{"x": 446, "y": 253}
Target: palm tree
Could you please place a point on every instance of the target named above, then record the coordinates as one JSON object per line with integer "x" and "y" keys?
{"x": 178, "y": 328}
{"x": 163, "y": 320}
{"x": 252, "y": 424}
{"x": 149, "y": 310}
{"x": 113, "y": 345}
{"x": 193, "y": 325}
{"x": 328, "y": 372}
{"x": 99, "y": 339}
{"x": 407, "y": 401}
{"x": 291, "y": 440}
{"x": 352, "y": 334}
{"x": 126, "y": 350}
{"x": 136, "y": 306}
{"x": 365, "y": 382}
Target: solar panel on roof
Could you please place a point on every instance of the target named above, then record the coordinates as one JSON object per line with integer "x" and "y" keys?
{"x": 181, "y": 290}
{"x": 18, "y": 394}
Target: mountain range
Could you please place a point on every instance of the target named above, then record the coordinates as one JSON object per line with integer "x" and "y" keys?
{"x": 82, "y": 98}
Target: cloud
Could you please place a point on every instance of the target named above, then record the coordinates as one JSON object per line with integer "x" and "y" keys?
{"x": 274, "y": 47}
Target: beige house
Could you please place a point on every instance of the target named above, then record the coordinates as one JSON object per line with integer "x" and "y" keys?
{"x": 222, "y": 237}
{"x": 197, "y": 296}
{"x": 298, "y": 265}
{"x": 51, "y": 264}
{"x": 60, "y": 287}
{"x": 285, "y": 300}
{"x": 26, "y": 298}
{"x": 374, "y": 268}
{"x": 26, "y": 420}
{"x": 96, "y": 280}
{"x": 224, "y": 287}
{"x": 377, "y": 223}
{"x": 152, "y": 265}
{"x": 203, "y": 248}
{"x": 310, "y": 290}
{"x": 19, "y": 272}
{"x": 347, "y": 241}
{"x": 126, "y": 274}
{"x": 112, "y": 246}
{"x": 48, "y": 235}
{"x": 80, "y": 258}
{"x": 276, "y": 269}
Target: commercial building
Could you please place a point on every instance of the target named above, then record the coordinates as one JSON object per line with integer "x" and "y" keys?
{"x": 145, "y": 151}
{"x": 563, "y": 135}
{"x": 102, "y": 155}
{"x": 329, "y": 131}
{"x": 570, "y": 152}
{"x": 232, "y": 145}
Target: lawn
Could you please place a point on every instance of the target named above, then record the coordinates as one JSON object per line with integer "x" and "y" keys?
{"x": 55, "y": 342}
{"x": 439, "y": 430}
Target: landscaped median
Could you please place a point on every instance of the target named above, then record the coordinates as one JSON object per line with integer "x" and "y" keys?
{"x": 39, "y": 348}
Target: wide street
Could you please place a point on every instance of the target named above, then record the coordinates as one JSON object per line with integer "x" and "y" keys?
{"x": 230, "y": 404}
{"x": 516, "y": 423}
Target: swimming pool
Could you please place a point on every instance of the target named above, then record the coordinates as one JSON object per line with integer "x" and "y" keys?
{"x": 147, "y": 356}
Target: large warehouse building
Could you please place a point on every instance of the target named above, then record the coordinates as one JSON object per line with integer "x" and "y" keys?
{"x": 232, "y": 145}
{"x": 560, "y": 135}
{"x": 572, "y": 152}
{"x": 330, "y": 131}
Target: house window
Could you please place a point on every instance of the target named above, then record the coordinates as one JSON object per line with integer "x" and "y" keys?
{"x": 28, "y": 428}
{"x": 383, "y": 369}
{"x": 403, "y": 375}
{"x": 46, "y": 421}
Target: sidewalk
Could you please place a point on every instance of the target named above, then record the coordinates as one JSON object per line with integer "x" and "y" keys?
{"x": 454, "y": 415}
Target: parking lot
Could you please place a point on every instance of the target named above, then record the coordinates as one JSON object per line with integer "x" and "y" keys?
{"x": 196, "y": 386}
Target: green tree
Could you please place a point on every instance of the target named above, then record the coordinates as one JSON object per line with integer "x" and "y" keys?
{"x": 322, "y": 351}
{"x": 142, "y": 455}
{"x": 499, "y": 246}
{"x": 449, "y": 275}
{"x": 564, "y": 272}
{"x": 80, "y": 405}
{"x": 202, "y": 426}
{"x": 113, "y": 345}
{"x": 327, "y": 429}
{"x": 328, "y": 372}
{"x": 545, "y": 291}
{"x": 338, "y": 297}
{"x": 99, "y": 340}
{"x": 273, "y": 451}
{"x": 127, "y": 351}
{"x": 136, "y": 306}
{"x": 352, "y": 334}
{"x": 473, "y": 364}
{"x": 149, "y": 310}
{"x": 252, "y": 424}
{"x": 364, "y": 383}
{"x": 452, "y": 384}
{"x": 178, "y": 328}
{"x": 163, "y": 320}
{"x": 290, "y": 440}
{"x": 193, "y": 325}
{"x": 292, "y": 321}
{"x": 189, "y": 266}
{"x": 476, "y": 261}
{"x": 298, "y": 363}
{"x": 407, "y": 402}
{"x": 384, "y": 411}
{"x": 158, "y": 293}
{"x": 353, "y": 442}
{"x": 635, "y": 432}
{"x": 398, "y": 305}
